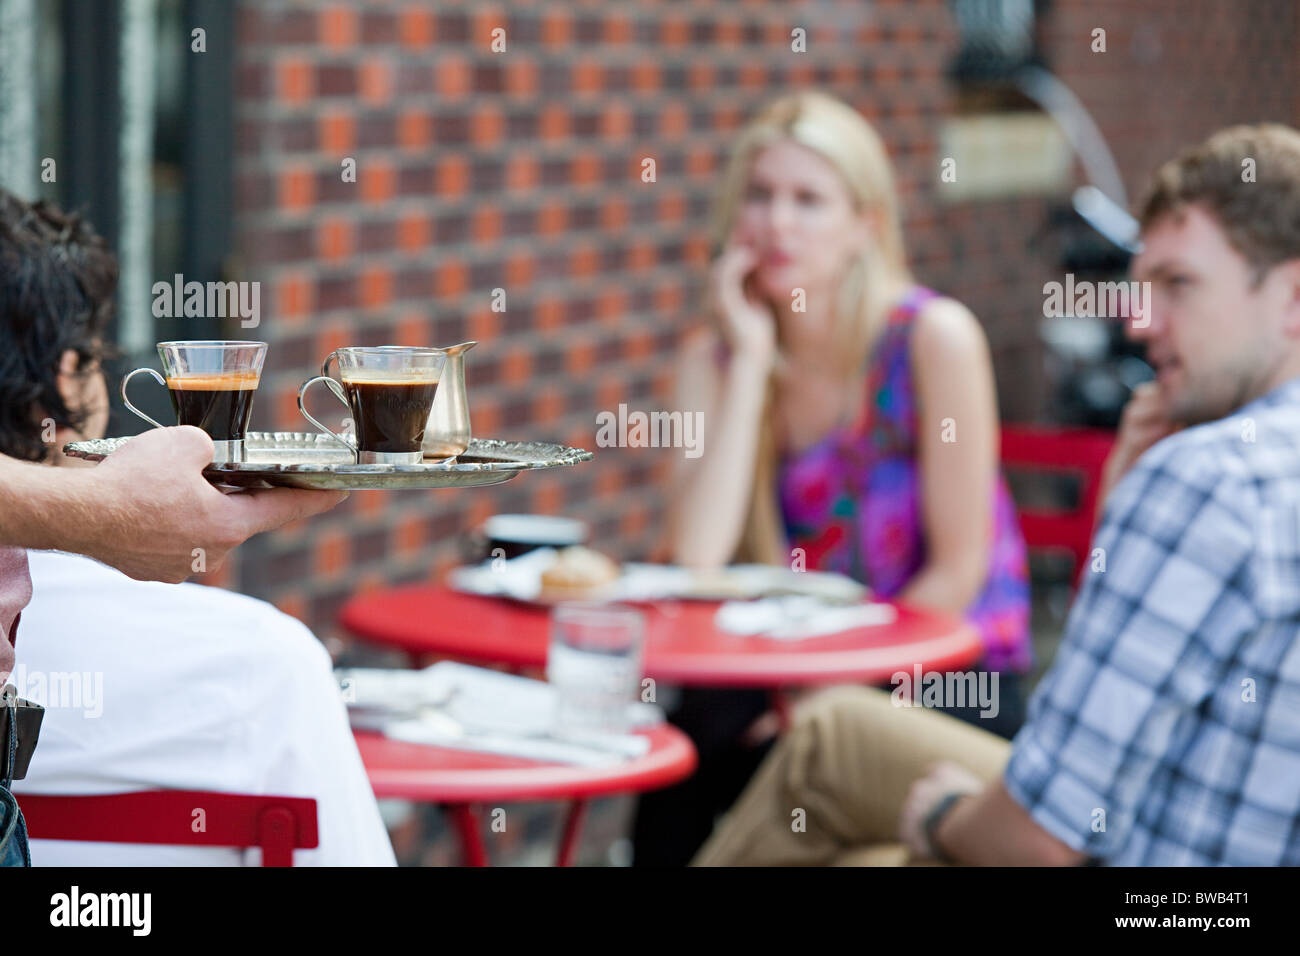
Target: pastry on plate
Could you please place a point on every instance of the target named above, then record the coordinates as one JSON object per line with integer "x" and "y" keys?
{"x": 578, "y": 574}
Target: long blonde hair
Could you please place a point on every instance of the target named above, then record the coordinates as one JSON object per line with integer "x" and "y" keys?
{"x": 842, "y": 137}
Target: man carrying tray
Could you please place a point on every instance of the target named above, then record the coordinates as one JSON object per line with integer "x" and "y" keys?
{"x": 186, "y": 687}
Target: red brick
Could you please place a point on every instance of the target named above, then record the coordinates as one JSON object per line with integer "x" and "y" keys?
{"x": 338, "y": 27}
{"x": 293, "y": 296}
{"x": 674, "y": 31}
{"x": 519, "y": 269}
{"x": 332, "y": 553}
{"x": 548, "y": 499}
{"x": 611, "y": 306}
{"x": 701, "y": 76}
{"x": 521, "y": 78}
{"x": 517, "y": 367}
{"x": 371, "y": 504}
{"x": 452, "y": 278}
{"x": 453, "y": 77}
{"x": 552, "y": 218}
{"x": 608, "y": 481}
{"x": 615, "y": 122}
{"x": 375, "y": 82}
{"x": 640, "y": 345}
{"x": 584, "y": 262}
{"x": 672, "y": 207}
{"x": 610, "y": 393}
{"x": 410, "y": 536}
{"x": 413, "y": 232}
{"x": 549, "y": 407}
{"x": 487, "y": 223}
{"x": 613, "y": 214}
{"x": 668, "y": 299}
{"x": 554, "y": 123}
{"x": 334, "y": 239}
{"x": 377, "y": 179}
{"x": 485, "y": 416}
{"x": 415, "y": 27}
{"x": 699, "y": 162}
{"x": 414, "y": 129}
{"x": 646, "y": 77}
{"x": 521, "y": 172}
{"x": 337, "y": 133}
{"x": 550, "y": 314}
{"x": 487, "y": 126}
{"x": 643, "y": 256}
{"x": 556, "y": 29}
{"x": 674, "y": 120}
{"x": 588, "y": 77}
{"x": 727, "y": 33}
{"x": 581, "y": 357}
{"x": 585, "y": 169}
{"x": 297, "y": 189}
{"x": 753, "y": 76}
{"x": 296, "y": 81}
{"x": 376, "y": 287}
{"x": 412, "y": 330}
{"x": 453, "y": 176}
{"x": 295, "y": 605}
{"x": 618, "y": 30}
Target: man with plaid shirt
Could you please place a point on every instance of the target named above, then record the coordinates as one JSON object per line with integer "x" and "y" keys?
{"x": 1167, "y": 731}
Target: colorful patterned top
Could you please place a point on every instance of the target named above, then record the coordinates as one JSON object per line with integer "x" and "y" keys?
{"x": 852, "y": 502}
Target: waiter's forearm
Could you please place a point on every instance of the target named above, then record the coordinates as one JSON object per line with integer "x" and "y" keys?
{"x": 43, "y": 507}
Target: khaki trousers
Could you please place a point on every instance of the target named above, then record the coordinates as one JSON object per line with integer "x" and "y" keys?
{"x": 847, "y": 762}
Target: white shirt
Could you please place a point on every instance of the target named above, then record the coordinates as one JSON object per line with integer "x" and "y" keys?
{"x": 149, "y": 685}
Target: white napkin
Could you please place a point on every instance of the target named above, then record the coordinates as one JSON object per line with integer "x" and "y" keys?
{"x": 796, "y": 617}
{"x": 519, "y": 578}
{"x": 485, "y": 710}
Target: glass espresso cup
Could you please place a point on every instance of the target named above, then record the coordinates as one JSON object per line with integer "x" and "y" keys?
{"x": 211, "y": 384}
{"x": 389, "y": 390}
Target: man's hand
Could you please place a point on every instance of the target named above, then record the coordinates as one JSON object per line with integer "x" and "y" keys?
{"x": 1144, "y": 421}
{"x": 943, "y": 779}
{"x": 147, "y": 507}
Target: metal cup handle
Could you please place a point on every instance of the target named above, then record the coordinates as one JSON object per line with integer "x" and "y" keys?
{"x": 337, "y": 389}
{"x": 325, "y": 365}
{"x": 130, "y": 375}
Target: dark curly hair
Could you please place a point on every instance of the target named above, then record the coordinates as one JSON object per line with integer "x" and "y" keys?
{"x": 57, "y": 284}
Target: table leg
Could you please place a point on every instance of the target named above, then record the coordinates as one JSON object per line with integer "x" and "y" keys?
{"x": 572, "y": 829}
{"x": 466, "y": 822}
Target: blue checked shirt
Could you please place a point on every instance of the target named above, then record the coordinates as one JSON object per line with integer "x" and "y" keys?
{"x": 1167, "y": 731}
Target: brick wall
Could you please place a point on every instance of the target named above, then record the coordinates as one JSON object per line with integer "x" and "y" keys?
{"x": 479, "y": 170}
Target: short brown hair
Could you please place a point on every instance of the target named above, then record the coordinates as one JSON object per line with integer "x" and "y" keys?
{"x": 1261, "y": 215}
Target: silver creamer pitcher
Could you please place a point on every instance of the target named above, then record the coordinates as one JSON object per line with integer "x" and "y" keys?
{"x": 448, "y": 433}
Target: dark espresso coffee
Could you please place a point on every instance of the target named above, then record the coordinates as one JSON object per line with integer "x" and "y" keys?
{"x": 218, "y": 404}
{"x": 390, "y": 414}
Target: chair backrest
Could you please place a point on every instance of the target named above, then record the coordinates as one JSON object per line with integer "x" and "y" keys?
{"x": 1080, "y": 452}
{"x": 278, "y": 825}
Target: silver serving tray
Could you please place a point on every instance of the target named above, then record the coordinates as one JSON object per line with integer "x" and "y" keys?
{"x": 307, "y": 460}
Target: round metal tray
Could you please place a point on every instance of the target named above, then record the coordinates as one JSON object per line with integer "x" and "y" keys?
{"x": 307, "y": 460}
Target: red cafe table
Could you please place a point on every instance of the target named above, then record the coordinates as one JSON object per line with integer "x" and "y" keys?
{"x": 459, "y": 779}
{"x": 682, "y": 647}
{"x": 682, "y": 644}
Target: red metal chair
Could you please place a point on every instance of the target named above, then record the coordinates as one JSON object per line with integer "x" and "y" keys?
{"x": 1080, "y": 452}
{"x": 278, "y": 825}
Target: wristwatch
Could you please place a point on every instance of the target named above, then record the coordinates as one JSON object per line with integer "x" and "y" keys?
{"x": 932, "y": 821}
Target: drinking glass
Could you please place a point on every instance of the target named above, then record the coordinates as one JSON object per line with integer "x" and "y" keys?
{"x": 389, "y": 391}
{"x": 594, "y": 661}
{"x": 211, "y": 384}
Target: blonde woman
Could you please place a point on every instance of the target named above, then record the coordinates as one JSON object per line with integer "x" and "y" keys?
{"x": 849, "y": 413}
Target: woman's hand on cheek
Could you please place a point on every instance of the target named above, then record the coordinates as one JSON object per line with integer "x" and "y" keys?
{"x": 747, "y": 321}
